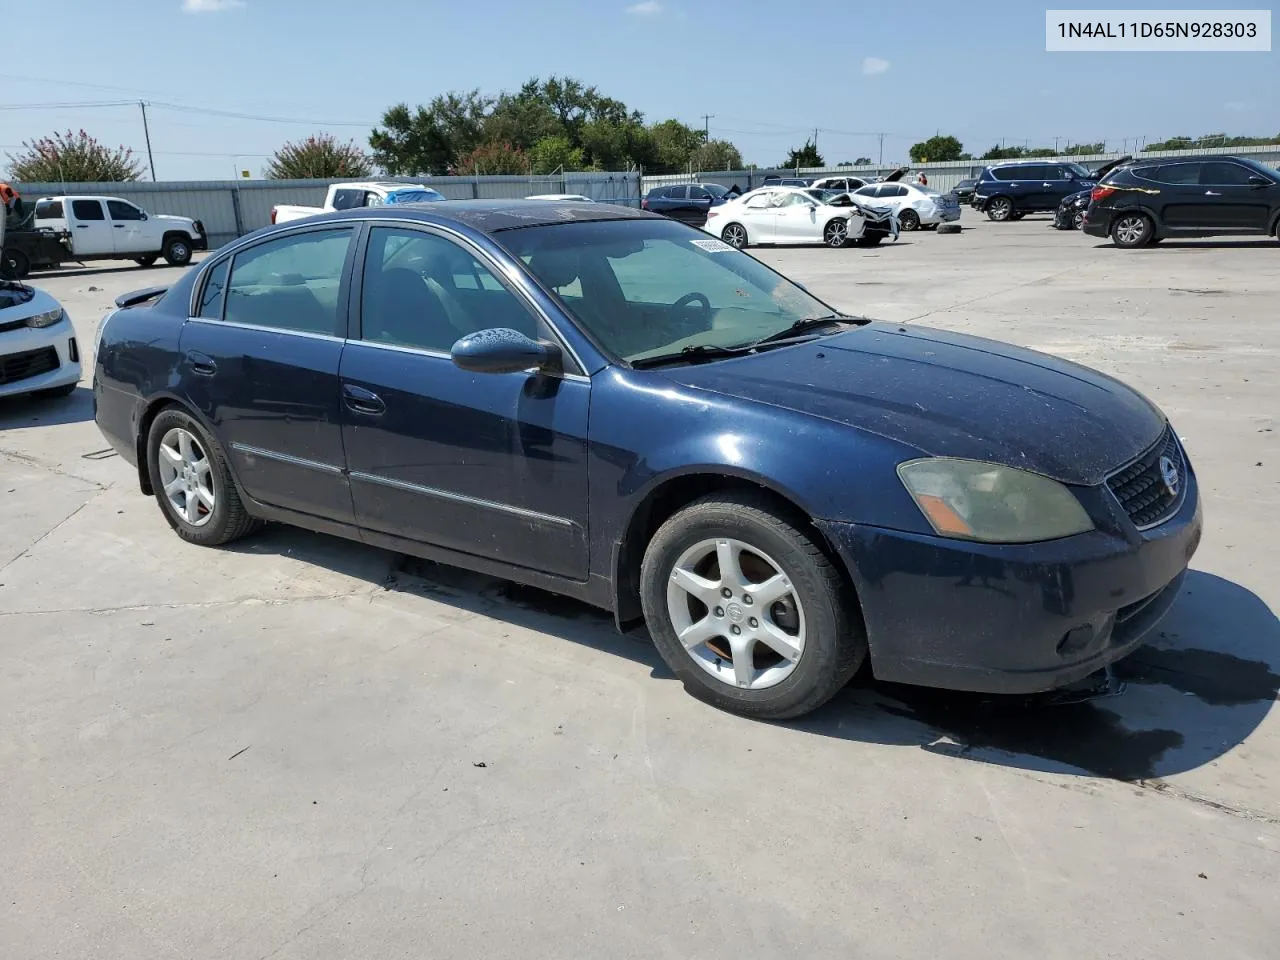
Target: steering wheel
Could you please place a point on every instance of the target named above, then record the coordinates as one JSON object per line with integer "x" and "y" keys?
{"x": 704, "y": 304}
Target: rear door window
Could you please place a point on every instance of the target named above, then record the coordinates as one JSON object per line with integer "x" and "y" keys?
{"x": 291, "y": 283}
{"x": 1178, "y": 173}
{"x": 215, "y": 286}
{"x": 87, "y": 210}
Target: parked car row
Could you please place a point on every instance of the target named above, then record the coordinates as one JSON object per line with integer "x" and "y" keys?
{"x": 792, "y": 215}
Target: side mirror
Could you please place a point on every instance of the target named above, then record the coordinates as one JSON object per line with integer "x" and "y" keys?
{"x": 503, "y": 350}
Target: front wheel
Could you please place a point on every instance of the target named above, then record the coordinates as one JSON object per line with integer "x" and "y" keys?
{"x": 192, "y": 482}
{"x": 15, "y": 265}
{"x": 999, "y": 209}
{"x": 177, "y": 252}
{"x": 735, "y": 235}
{"x": 748, "y": 611}
{"x": 836, "y": 233}
{"x": 1077, "y": 220}
{"x": 908, "y": 220}
{"x": 1131, "y": 231}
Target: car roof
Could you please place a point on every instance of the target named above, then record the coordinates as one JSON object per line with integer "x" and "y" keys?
{"x": 492, "y": 216}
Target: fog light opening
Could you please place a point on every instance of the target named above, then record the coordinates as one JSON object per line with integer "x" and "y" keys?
{"x": 73, "y": 351}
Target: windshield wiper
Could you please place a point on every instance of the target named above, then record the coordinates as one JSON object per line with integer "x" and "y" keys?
{"x": 694, "y": 354}
{"x": 804, "y": 326}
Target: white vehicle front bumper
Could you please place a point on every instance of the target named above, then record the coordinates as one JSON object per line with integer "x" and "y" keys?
{"x": 26, "y": 349}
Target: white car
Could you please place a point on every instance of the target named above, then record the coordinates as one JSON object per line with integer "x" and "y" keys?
{"x": 579, "y": 198}
{"x": 792, "y": 215}
{"x": 843, "y": 184}
{"x": 916, "y": 205}
{"x": 38, "y": 349}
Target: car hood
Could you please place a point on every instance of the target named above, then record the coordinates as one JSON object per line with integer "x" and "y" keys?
{"x": 948, "y": 394}
{"x": 169, "y": 218}
{"x": 19, "y": 301}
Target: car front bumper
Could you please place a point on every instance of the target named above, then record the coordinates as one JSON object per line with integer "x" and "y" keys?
{"x": 1013, "y": 618}
{"x": 26, "y": 365}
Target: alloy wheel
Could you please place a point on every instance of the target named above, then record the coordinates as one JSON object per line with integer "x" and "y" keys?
{"x": 735, "y": 235}
{"x": 736, "y": 613}
{"x": 1129, "y": 230}
{"x": 837, "y": 233}
{"x": 187, "y": 476}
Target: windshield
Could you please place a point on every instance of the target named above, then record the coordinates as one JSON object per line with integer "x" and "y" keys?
{"x": 413, "y": 196}
{"x": 643, "y": 288}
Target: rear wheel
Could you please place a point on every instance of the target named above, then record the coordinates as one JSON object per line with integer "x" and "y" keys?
{"x": 1129, "y": 231}
{"x": 748, "y": 611}
{"x": 146, "y": 261}
{"x": 192, "y": 482}
{"x": 15, "y": 265}
{"x": 177, "y": 251}
{"x": 999, "y": 208}
{"x": 735, "y": 235}
{"x": 836, "y": 233}
{"x": 908, "y": 220}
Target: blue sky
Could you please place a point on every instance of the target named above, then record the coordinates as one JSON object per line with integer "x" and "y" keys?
{"x": 768, "y": 72}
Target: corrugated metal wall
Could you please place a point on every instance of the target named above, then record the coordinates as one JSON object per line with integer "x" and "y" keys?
{"x": 942, "y": 176}
{"x": 231, "y": 208}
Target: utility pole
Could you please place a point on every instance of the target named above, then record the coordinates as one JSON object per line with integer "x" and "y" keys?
{"x": 146, "y": 130}
{"x": 881, "y": 150}
{"x": 706, "y": 126}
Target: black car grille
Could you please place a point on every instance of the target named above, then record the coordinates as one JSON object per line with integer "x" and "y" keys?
{"x": 29, "y": 363}
{"x": 1142, "y": 489}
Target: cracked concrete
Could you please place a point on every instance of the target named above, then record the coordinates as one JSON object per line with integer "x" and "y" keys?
{"x": 304, "y": 748}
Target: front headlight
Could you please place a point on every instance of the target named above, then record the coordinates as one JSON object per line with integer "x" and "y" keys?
{"x": 46, "y": 319}
{"x": 987, "y": 502}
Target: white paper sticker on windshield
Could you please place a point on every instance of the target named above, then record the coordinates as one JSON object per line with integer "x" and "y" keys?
{"x": 712, "y": 245}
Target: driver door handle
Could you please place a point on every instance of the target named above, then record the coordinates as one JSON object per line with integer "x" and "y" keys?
{"x": 1212, "y": 193}
{"x": 363, "y": 401}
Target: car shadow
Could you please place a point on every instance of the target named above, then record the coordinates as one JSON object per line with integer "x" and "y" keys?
{"x": 1198, "y": 689}
{"x": 1253, "y": 243}
{"x": 32, "y": 410}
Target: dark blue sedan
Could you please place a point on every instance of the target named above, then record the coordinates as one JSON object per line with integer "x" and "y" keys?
{"x": 614, "y": 406}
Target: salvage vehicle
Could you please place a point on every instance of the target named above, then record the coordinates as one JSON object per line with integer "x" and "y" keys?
{"x": 687, "y": 202}
{"x": 916, "y": 206}
{"x": 1070, "y": 212}
{"x": 108, "y": 228}
{"x": 610, "y": 405}
{"x": 789, "y": 215}
{"x": 348, "y": 196}
{"x": 1009, "y": 191}
{"x": 38, "y": 350}
{"x": 1148, "y": 201}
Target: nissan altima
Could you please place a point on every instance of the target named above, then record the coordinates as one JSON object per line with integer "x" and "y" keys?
{"x": 617, "y": 407}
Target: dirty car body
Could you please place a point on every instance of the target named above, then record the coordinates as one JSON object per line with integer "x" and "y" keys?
{"x": 648, "y": 385}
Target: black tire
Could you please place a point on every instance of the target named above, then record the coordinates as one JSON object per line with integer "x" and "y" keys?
{"x": 177, "y": 251}
{"x": 149, "y": 260}
{"x": 1077, "y": 220}
{"x": 869, "y": 240}
{"x": 836, "y": 233}
{"x": 735, "y": 235}
{"x": 229, "y": 520}
{"x": 1130, "y": 231}
{"x": 66, "y": 390}
{"x": 835, "y": 644}
{"x": 999, "y": 209}
{"x": 15, "y": 265}
{"x": 930, "y": 226}
{"x": 908, "y": 220}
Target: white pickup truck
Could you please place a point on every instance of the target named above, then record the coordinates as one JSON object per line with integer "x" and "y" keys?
{"x": 108, "y": 228}
{"x": 347, "y": 196}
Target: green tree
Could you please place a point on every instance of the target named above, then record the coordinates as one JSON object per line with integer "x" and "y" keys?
{"x": 556, "y": 153}
{"x": 617, "y": 146}
{"x": 806, "y": 156}
{"x": 492, "y": 159}
{"x": 717, "y": 155}
{"x": 430, "y": 139}
{"x": 1083, "y": 149}
{"x": 936, "y": 149}
{"x": 674, "y": 146}
{"x": 1210, "y": 140}
{"x": 318, "y": 157}
{"x": 998, "y": 152}
{"x": 73, "y": 158}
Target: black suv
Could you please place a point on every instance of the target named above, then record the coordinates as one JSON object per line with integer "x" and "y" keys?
{"x": 686, "y": 202}
{"x": 1147, "y": 201}
{"x": 1012, "y": 190}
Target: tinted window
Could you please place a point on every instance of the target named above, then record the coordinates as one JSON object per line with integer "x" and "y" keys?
{"x": 892, "y": 190}
{"x": 654, "y": 265}
{"x": 87, "y": 210}
{"x": 346, "y": 199}
{"x": 697, "y": 193}
{"x": 425, "y": 291}
{"x": 214, "y": 287}
{"x": 1008, "y": 173}
{"x": 291, "y": 283}
{"x": 1224, "y": 173}
{"x": 676, "y": 193}
{"x": 120, "y": 210}
{"x": 868, "y": 191}
{"x": 715, "y": 189}
{"x": 49, "y": 210}
{"x": 1176, "y": 173}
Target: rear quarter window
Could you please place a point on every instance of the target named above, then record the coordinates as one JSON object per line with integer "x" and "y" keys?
{"x": 49, "y": 210}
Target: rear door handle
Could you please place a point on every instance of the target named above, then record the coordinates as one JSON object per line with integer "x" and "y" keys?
{"x": 201, "y": 363}
{"x": 363, "y": 401}
{"x": 82, "y": 226}
{"x": 1212, "y": 193}
{"x": 118, "y": 226}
